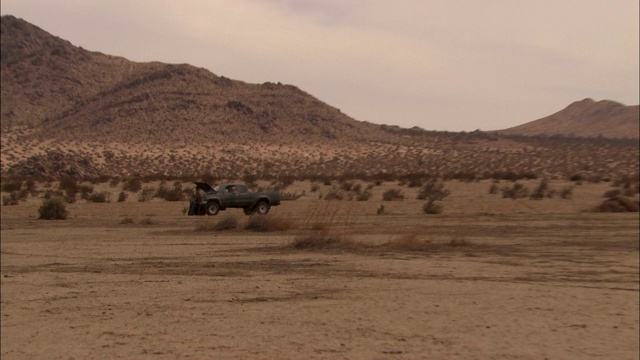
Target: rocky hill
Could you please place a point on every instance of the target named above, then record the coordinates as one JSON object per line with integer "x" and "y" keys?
{"x": 69, "y": 111}
{"x": 586, "y": 118}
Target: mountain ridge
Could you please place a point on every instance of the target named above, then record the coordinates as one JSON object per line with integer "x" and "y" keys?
{"x": 585, "y": 118}
{"x": 69, "y": 111}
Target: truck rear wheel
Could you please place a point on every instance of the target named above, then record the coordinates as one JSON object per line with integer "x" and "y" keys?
{"x": 262, "y": 208}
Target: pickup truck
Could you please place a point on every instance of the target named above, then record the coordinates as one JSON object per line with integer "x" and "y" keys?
{"x": 234, "y": 195}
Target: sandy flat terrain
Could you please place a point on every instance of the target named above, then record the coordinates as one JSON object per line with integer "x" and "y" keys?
{"x": 502, "y": 279}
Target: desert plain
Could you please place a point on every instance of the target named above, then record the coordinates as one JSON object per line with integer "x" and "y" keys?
{"x": 488, "y": 278}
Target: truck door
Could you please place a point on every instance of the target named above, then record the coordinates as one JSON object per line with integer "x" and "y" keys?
{"x": 243, "y": 196}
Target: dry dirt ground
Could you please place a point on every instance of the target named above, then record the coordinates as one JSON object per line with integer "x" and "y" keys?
{"x": 502, "y": 279}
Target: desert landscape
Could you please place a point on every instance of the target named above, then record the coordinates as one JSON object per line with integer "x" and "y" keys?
{"x": 389, "y": 243}
{"x": 488, "y": 278}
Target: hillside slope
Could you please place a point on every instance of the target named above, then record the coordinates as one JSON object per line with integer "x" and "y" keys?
{"x": 68, "y": 111}
{"x": 586, "y": 118}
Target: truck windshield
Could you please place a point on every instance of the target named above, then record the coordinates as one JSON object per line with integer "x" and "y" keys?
{"x": 217, "y": 188}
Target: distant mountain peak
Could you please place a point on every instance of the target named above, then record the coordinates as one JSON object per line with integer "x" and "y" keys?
{"x": 585, "y": 118}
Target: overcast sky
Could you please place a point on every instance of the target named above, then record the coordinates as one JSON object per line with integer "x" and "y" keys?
{"x": 438, "y": 64}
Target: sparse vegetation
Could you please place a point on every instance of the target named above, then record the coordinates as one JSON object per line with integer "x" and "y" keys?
{"x": 517, "y": 191}
{"x": 268, "y": 224}
{"x": 147, "y": 193}
{"x": 224, "y": 224}
{"x": 393, "y": 194}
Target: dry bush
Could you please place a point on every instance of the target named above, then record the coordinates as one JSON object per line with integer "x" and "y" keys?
{"x": 566, "y": 193}
{"x": 518, "y": 191}
{"x": 148, "y": 221}
{"x": 393, "y": 194}
{"x": 101, "y": 197}
{"x": 432, "y": 208}
{"x": 334, "y": 194}
{"x": 413, "y": 242}
{"x": 364, "y": 196}
{"x": 147, "y": 193}
{"x": 408, "y": 242}
{"x": 126, "y": 220}
{"x": 268, "y": 223}
{"x": 618, "y": 204}
{"x": 324, "y": 240}
{"x": 225, "y": 224}
{"x": 54, "y": 208}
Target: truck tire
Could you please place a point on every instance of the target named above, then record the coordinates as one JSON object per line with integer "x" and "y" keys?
{"x": 212, "y": 208}
{"x": 248, "y": 210}
{"x": 262, "y": 208}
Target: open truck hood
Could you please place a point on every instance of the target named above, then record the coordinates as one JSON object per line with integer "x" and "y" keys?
{"x": 204, "y": 186}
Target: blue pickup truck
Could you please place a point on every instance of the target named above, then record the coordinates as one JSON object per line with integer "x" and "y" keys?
{"x": 210, "y": 200}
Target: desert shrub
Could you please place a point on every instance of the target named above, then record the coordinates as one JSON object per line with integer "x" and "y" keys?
{"x": 148, "y": 221}
{"x": 432, "y": 208}
{"x": 50, "y": 193}
{"x": 132, "y": 184}
{"x": 630, "y": 192}
{"x": 413, "y": 242}
{"x": 11, "y": 199}
{"x": 433, "y": 191}
{"x": 612, "y": 194}
{"x": 566, "y": 193}
{"x": 289, "y": 196}
{"x": 518, "y": 191}
{"x": 323, "y": 240}
{"x": 30, "y": 185}
{"x": 126, "y": 220}
{"x": 225, "y": 224}
{"x": 347, "y": 185}
{"x": 114, "y": 182}
{"x": 393, "y": 194}
{"x": 493, "y": 189}
{"x": 122, "y": 196}
{"x": 174, "y": 194}
{"x": 576, "y": 177}
{"x": 315, "y": 187}
{"x": 54, "y": 208}
{"x": 147, "y": 193}
{"x": 69, "y": 185}
{"x": 11, "y": 185}
{"x": 408, "y": 242}
{"x": 100, "y": 197}
{"x": 380, "y": 210}
{"x": 415, "y": 182}
{"x": 364, "y": 196}
{"x": 618, "y": 204}
{"x": 334, "y": 194}
{"x": 542, "y": 191}
{"x": 268, "y": 224}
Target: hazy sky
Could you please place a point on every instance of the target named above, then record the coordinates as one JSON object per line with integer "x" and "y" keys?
{"x": 437, "y": 64}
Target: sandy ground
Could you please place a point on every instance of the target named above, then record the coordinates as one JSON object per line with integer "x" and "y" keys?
{"x": 528, "y": 280}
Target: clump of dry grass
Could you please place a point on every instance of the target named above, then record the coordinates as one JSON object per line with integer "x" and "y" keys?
{"x": 324, "y": 240}
{"x": 126, "y": 220}
{"x": 413, "y": 242}
{"x": 148, "y": 221}
{"x": 225, "y": 224}
{"x": 268, "y": 223}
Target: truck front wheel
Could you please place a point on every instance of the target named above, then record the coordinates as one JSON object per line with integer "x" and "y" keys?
{"x": 212, "y": 208}
{"x": 262, "y": 208}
